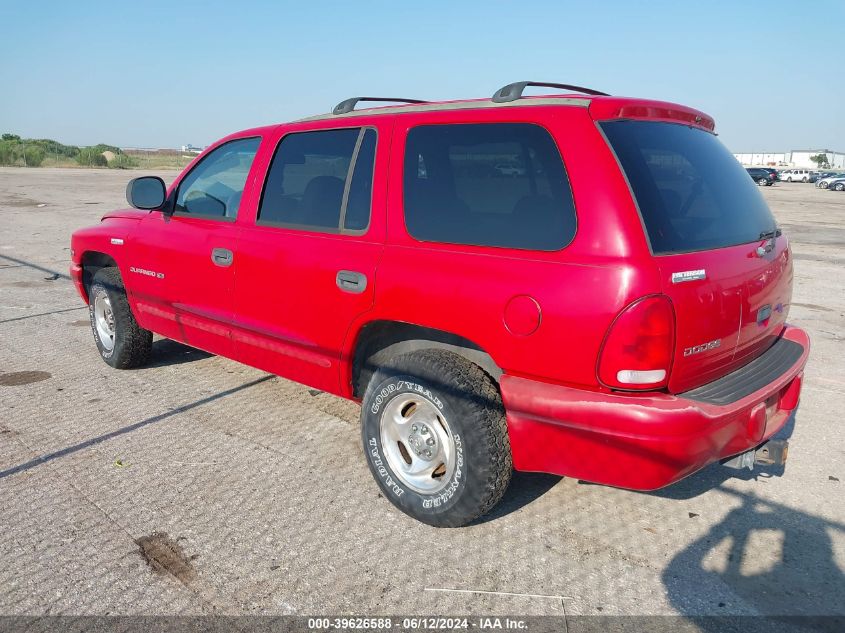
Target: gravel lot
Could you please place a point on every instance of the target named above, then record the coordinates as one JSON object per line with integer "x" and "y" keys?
{"x": 253, "y": 495}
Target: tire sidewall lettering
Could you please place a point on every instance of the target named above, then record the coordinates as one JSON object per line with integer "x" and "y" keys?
{"x": 403, "y": 386}
{"x": 444, "y": 496}
{"x": 105, "y": 353}
{"x": 390, "y": 483}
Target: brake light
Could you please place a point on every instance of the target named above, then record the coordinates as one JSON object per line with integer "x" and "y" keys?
{"x": 637, "y": 351}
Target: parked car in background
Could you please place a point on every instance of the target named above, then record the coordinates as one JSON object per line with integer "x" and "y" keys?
{"x": 836, "y": 184}
{"x": 824, "y": 181}
{"x": 796, "y": 175}
{"x": 761, "y": 176}
{"x": 615, "y": 313}
{"x": 510, "y": 169}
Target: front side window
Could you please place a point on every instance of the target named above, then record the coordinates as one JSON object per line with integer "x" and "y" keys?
{"x": 321, "y": 181}
{"x": 487, "y": 184}
{"x": 213, "y": 189}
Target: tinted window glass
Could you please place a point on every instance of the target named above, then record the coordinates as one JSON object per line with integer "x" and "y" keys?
{"x": 307, "y": 181}
{"x": 691, "y": 192}
{"x": 361, "y": 187}
{"x": 487, "y": 184}
{"x": 214, "y": 187}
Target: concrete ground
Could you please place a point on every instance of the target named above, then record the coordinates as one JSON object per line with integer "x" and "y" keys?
{"x": 253, "y": 495}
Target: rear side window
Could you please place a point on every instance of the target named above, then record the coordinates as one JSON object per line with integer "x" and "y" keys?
{"x": 691, "y": 192}
{"x": 487, "y": 184}
{"x": 321, "y": 180}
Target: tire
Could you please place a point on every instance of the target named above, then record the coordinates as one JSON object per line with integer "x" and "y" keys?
{"x": 763, "y": 182}
{"x": 822, "y": 185}
{"x": 123, "y": 344}
{"x": 789, "y": 179}
{"x": 804, "y": 179}
{"x": 839, "y": 186}
{"x": 436, "y": 401}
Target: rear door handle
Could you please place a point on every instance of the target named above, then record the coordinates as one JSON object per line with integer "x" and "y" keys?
{"x": 351, "y": 281}
{"x": 222, "y": 256}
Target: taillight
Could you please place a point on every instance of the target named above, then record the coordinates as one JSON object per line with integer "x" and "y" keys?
{"x": 637, "y": 351}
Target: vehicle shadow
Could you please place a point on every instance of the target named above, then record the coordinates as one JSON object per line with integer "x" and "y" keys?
{"x": 167, "y": 352}
{"x": 524, "y": 489}
{"x": 763, "y": 558}
{"x": 155, "y": 419}
{"x": 715, "y": 475}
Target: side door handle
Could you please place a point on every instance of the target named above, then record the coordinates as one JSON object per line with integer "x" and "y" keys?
{"x": 222, "y": 256}
{"x": 351, "y": 281}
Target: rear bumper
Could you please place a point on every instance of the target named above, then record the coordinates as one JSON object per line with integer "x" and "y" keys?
{"x": 641, "y": 441}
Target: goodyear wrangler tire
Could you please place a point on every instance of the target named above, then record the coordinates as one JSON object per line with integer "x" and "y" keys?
{"x": 435, "y": 437}
{"x": 121, "y": 341}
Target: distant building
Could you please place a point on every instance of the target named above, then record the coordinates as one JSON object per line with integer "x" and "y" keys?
{"x": 190, "y": 149}
{"x": 796, "y": 158}
{"x": 765, "y": 159}
{"x": 801, "y": 157}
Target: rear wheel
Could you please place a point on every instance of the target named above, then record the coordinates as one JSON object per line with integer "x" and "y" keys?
{"x": 763, "y": 181}
{"x": 435, "y": 437}
{"x": 804, "y": 179}
{"x": 121, "y": 341}
{"x": 839, "y": 186}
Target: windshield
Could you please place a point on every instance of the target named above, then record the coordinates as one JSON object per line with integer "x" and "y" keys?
{"x": 691, "y": 192}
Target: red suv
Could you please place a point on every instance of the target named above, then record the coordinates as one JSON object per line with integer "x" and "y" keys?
{"x": 580, "y": 284}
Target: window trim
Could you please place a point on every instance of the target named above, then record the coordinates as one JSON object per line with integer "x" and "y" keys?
{"x": 340, "y": 230}
{"x": 465, "y": 244}
{"x": 205, "y": 216}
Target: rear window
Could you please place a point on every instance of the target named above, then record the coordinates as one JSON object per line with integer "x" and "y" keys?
{"x": 487, "y": 184}
{"x": 691, "y": 192}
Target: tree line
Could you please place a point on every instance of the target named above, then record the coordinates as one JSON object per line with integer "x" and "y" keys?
{"x": 31, "y": 152}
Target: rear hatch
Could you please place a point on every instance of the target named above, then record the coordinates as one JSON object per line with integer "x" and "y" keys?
{"x": 722, "y": 260}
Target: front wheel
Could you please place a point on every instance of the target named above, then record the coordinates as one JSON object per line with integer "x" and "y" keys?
{"x": 435, "y": 437}
{"x": 121, "y": 341}
{"x": 839, "y": 186}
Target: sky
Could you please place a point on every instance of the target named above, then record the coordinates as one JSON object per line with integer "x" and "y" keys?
{"x": 165, "y": 74}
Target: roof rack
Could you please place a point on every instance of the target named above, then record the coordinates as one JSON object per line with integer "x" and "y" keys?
{"x": 349, "y": 104}
{"x": 513, "y": 91}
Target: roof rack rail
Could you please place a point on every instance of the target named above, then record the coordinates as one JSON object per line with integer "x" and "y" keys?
{"x": 513, "y": 91}
{"x": 349, "y": 104}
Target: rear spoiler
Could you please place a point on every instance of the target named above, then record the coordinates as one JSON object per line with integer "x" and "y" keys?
{"x": 639, "y": 109}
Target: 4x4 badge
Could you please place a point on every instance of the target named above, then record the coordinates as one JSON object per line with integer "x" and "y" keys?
{"x": 688, "y": 275}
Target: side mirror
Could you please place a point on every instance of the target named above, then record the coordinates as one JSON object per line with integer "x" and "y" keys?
{"x": 146, "y": 192}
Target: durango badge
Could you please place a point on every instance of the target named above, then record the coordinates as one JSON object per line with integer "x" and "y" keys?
{"x": 148, "y": 273}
